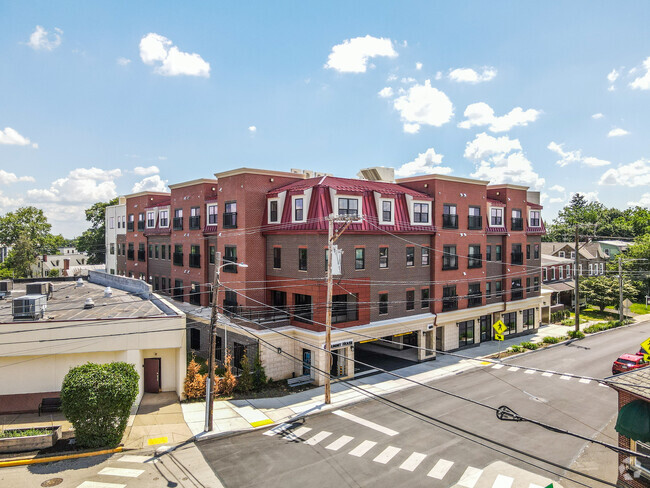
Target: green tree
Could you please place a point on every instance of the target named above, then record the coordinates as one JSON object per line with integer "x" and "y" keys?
{"x": 245, "y": 382}
{"x": 599, "y": 291}
{"x": 53, "y": 273}
{"x": 92, "y": 241}
{"x": 21, "y": 257}
{"x": 27, "y": 222}
{"x": 259, "y": 374}
{"x": 97, "y": 400}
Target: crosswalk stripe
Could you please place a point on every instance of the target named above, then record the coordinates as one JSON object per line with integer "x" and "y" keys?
{"x": 565, "y": 377}
{"x": 296, "y": 434}
{"x": 530, "y": 371}
{"x": 503, "y": 482}
{"x": 131, "y": 458}
{"x": 413, "y": 461}
{"x": 387, "y": 454}
{"x": 277, "y": 429}
{"x": 99, "y": 484}
{"x": 584, "y": 380}
{"x": 317, "y": 438}
{"x": 339, "y": 443}
{"x": 533, "y": 485}
{"x": 126, "y": 473}
{"x": 365, "y": 423}
{"x": 513, "y": 368}
{"x": 547, "y": 374}
{"x": 440, "y": 469}
{"x": 603, "y": 384}
{"x": 362, "y": 448}
{"x": 497, "y": 366}
{"x": 470, "y": 477}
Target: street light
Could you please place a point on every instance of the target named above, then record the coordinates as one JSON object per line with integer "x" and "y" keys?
{"x": 209, "y": 400}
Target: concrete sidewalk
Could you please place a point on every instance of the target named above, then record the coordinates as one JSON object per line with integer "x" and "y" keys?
{"x": 235, "y": 415}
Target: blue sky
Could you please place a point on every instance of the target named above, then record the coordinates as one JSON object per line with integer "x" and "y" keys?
{"x": 100, "y": 99}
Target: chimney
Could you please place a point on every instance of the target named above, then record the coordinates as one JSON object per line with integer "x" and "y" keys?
{"x": 45, "y": 258}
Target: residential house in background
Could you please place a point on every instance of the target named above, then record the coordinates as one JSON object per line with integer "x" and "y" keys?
{"x": 612, "y": 248}
{"x": 67, "y": 265}
{"x": 592, "y": 258}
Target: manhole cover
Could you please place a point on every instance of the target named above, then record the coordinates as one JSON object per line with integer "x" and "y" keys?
{"x": 52, "y": 482}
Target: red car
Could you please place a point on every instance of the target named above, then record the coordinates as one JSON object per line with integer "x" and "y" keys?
{"x": 628, "y": 362}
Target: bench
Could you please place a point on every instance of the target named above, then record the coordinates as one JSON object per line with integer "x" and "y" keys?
{"x": 300, "y": 380}
{"x": 49, "y": 405}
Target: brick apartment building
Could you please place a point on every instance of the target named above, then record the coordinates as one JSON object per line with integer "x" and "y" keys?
{"x": 431, "y": 261}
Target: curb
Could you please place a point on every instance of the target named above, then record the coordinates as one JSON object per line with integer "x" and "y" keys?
{"x": 62, "y": 457}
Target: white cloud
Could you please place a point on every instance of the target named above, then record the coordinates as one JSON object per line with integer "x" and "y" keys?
{"x": 8, "y": 204}
{"x": 352, "y": 55}
{"x": 151, "y": 183}
{"x": 633, "y": 174}
{"x": 81, "y": 185}
{"x": 43, "y": 40}
{"x": 501, "y": 160}
{"x": 123, "y": 61}
{"x": 642, "y": 82}
{"x": 424, "y": 105}
{"x": 427, "y": 162}
{"x": 155, "y": 49}
{"x": 468, "y": 75}
{"x": 418, "y": 66}
{"x": 146, "y": 171}
{"x": 252, "y": 129}
{"x": 597, "y": 116}
{"x": 613, "y": 75}
{"x": 481, "y": 114}
{"x": 408, "y": 80}
{"x": 386, "y": 92}
{"x": 568, "y": 157}
{"x": 590, "y": 196}
{"x": 438, "y": 75}
{"x": 556, "y": 200}
{"x": 12, "y": 137}
{"x": 616, "y": 132}
{"x": 644, "y": 201}
{"x": 557, "y": 188}
{"x": 9, "y": 178}
{"x": 411, "y": 128}
{"x": 391, "y": 77}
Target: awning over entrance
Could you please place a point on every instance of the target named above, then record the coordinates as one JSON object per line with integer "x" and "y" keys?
{"x": 559, "y": 286}
{"x": 634, "y": 421}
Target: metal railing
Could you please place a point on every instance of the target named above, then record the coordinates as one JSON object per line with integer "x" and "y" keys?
{"x": 230, "y": 220}
{"x": 195, "y": 222}
{"x": 140, "y": 224}
{"x": 178, "y": 223}
{"x": 475, "y": 261}
{"x": 517, "y": 258}
{"x": 141, "y": 255}
{"x": 129, "y": 226}
{"x": 130, "y": 254}
{"x": 516, "y": 223}
{"x": 450, "y": 221}
{"x": 178, "y": 259}
{"x": 195, "y": 260}
{"x": 474, "y": 222}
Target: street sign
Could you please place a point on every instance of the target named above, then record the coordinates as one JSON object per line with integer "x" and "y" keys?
{"x": 627, "y": 303}
{"x": 646, "y": 345}
{"x": 500, "y": 327}
{"x": 550, "y": 486}
{"x": 498, "y": 337}
{"x": 646, "y": 358}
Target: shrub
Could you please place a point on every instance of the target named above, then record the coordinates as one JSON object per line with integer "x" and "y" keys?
{"x": 529, "y": 345}
{"x": 550, "y": 340}
{"x": 53, "y": 273}
{"x": 576, "y": 334}
{"x": 194, "y": 386}
{"x": 228, "y": 382}
{"x": 568, "y": 322}
{"x": 245, "y": 382}
{"x": 97, "y": 400}
{"x": 515, "y": 348}
{"x": 259, "y": 374}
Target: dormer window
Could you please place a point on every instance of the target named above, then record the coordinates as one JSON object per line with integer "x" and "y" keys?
{"x": 212, "y": 214}
{"x": 164, "y": 218}
{"x": 421, "y": 213}
{"x": 386, "y": 211}
{"x": 274, "y": 214}
{"x": 298, "y": 209}
{"x": 151, "y": 219}
{"x": 535, "y": 219}
{"x": 349, "y": 206}
{"x": 496, "y": 217}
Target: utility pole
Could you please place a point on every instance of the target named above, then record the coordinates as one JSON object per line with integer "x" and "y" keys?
{"x": 209, "y": 397}
{"x": 620, "y": 289}
{"x": 331, "y": 239}
{"x": 576, "y": 275}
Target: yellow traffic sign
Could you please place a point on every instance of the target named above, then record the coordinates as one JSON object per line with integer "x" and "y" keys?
{"x": 500, "y": 327}
{"x": 498, "y": 337}
{"x": 646, "y": 358}
{"x": 646, "y": 345}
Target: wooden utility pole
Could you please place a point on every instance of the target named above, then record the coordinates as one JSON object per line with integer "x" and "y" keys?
{"x": 621, "y": 317}
{"x": 576, "y": 276}
{"x": 331, "y": 239}
{"x": 209, "y": 388}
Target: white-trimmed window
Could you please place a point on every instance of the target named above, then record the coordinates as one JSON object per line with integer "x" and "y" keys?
{"x": 580, "y": 270}
{"x": 561, "y": 254}
{"x": 387, "y": 211}
{"x": 299, "y": 212}
{"x": 421, "y": 213}
{"x": 213, "y": 213}
{"x": 111, "y": 222}
{"x": 350, "y": 206}
{"x": 273, "y": 210}
{"x": 591, "y": 271}
{"x": 163, "y": 221}
{"x": 642, "y": 464}
{"x": 553, "y": 274}
{"x": 602, "y": 268}
{"x": 496, "y": 217}
{"x": 568, "y": 271}
{"x": 151, "y": 219}
{"x": 561, "y": 271}
{"x": 535, "y": 218}
{"x": 545, "y": 273}
{"x": 573, "y": 254}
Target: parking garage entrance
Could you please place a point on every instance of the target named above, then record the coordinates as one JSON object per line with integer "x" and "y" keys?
{"x": 394, "y": 352}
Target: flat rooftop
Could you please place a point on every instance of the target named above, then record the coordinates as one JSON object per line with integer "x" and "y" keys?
{"x": 67, "y": 303}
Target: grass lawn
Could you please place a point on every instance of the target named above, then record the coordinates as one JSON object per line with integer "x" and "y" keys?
{"x": 639, "y": 308}
{"x": 593, "y": 313}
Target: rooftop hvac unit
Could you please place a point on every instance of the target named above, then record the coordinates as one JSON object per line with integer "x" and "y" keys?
{"x": 29, "y": 307}
{"x": 38, "y": 288}
{"x": 5, "y": 288}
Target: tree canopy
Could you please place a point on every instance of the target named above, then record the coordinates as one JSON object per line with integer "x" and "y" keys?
{"x": 27, "y": 222}
{"x": 92, "y": 241}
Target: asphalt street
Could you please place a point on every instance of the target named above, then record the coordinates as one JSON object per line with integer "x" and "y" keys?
{"x": 422, "y": 437}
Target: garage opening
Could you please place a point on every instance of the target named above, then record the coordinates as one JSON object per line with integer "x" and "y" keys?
{"x": 390, "y": 356}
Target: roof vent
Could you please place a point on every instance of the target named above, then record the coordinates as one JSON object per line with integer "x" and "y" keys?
{"x": 80, "y": 282}
{"x": 108, "y": 293}
{"x": 377, "y": 173}
{"x": 89, "y": 303}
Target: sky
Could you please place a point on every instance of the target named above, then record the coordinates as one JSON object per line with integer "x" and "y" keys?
{"x": 99, "y": 99}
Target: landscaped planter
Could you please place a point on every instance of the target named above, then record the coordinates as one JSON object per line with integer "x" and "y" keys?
{"x": 32, "y": 442}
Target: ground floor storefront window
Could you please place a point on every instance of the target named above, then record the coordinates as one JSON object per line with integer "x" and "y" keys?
{"x": 510, "y": 321}
{"x": 529, "y": 319}
{"x": 465, "y": 333}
